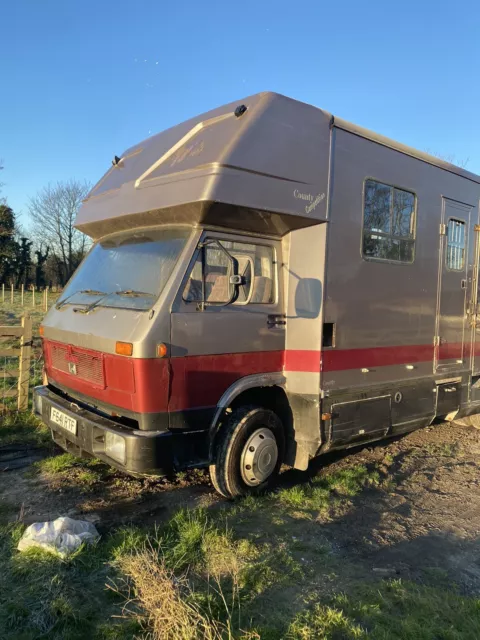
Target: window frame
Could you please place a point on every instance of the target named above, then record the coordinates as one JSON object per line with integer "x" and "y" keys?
{"x": 240, "y": 240}
{"x": 389, "y": 235}
{"x": 465, "y": 225}
{"x": 241, "y": 303}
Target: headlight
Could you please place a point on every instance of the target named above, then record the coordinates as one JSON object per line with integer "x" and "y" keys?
{"x": 115, "y": 446}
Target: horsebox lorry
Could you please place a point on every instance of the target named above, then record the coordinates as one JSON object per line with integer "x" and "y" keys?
{"x": 267, "y": 282}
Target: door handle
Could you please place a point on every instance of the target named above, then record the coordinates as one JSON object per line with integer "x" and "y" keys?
{"x": 276, "y": 320}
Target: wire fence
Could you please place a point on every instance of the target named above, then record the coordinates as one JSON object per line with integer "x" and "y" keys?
{"x": 16, "y": 347}
{"x": 11, "y": 317}
{"x": 27, "y": 296}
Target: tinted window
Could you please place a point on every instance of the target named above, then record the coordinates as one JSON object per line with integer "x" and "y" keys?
{"x": 389, "y": 222}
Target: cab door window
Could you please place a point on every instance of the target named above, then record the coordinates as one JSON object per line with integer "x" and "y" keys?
{"x": 259, "y": 289}
{"x": 255, "y": 266}
{"x": 217, "y": 277}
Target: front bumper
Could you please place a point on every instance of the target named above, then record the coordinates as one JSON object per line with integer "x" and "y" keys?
{"x": 146, "y": 452}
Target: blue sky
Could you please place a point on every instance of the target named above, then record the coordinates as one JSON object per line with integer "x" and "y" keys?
{"x": 83, "y": 80}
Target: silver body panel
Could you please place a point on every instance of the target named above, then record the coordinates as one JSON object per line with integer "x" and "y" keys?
{"x": 217, "y": 169}
{"x": 395, "y": 339}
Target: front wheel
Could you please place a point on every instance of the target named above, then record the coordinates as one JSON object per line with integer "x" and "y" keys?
{"x": 249, "y": 452}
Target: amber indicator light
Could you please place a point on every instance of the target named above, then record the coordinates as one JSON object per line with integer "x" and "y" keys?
{"x": 124, "y": 348}
{"x": 162, "y": 350}
{"x": 41, "y": 330}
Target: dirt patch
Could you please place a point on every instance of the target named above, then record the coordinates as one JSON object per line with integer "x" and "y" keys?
{"x": 112, "y": 499}
{"x": 420, "y": 521}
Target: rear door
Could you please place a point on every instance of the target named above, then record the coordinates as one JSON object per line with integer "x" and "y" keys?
{"x": 450, "y": 351}
{"x": 215, "y": 346}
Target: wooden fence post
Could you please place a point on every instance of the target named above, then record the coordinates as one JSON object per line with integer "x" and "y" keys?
{"x": 25, "y": 354}
{"x": 46, "y": 298}
{"x": 23, "y": 291}
{"x": 11, "y": 293}
{"x": 3, "y": 292}
{"x": 33, "y": 295}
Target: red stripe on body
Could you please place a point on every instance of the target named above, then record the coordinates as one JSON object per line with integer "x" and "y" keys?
{"x": 143, "y": 385}
{"x": 346, "y": 359}
{"x": 375, "y": 357}
{"x": 451, "y": 351}
{"x": 199, "y": 381}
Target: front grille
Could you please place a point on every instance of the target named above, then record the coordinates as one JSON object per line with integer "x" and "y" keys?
{"x": 78, "y": 363}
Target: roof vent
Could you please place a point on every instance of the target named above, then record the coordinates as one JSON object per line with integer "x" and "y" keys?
{"x": 240, "y": 110}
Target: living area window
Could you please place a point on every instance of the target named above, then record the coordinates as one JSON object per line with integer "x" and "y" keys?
{"x": 388, "y": 222}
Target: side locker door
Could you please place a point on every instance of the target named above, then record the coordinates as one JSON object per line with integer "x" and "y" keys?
{"x": 450, "y": 353}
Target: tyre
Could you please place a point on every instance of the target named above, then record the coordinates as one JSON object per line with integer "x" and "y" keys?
{"x": 249, "y": 452}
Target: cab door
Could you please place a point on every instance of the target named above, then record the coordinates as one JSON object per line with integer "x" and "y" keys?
{"x": 450, "y": 351}
{"x": 221, "y": 331}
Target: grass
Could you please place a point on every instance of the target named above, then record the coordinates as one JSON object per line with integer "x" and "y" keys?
{"x": 257, "y": 568}
{"x": 169, "y": 603}
{"x": 24, "y": 428}
{"x": 210, "y": 575}
{"x": 324, "y": 491}
{"x": 392, "y": 610}
{"x": 72, "y": 470}
{"x": 44, "y": 596}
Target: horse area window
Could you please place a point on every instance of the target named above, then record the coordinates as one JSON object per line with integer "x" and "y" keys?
{"x": 388, "y": 223}
{"x": 456, "y": 245}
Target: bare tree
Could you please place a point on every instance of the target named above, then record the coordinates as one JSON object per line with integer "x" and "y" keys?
{"x": 53, "y": 211}
{"x": 450, "y": 158}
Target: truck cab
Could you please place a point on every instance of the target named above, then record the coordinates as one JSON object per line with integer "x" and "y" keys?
{"x": 167, "y": 348}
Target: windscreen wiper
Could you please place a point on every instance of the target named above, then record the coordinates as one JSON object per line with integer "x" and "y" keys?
{"x": 126, "y": 292}
{"x": 91, "y": 292}
{"x": 134, "y": 294}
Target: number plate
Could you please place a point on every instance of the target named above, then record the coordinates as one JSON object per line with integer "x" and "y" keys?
{"x": 64, "y": 421}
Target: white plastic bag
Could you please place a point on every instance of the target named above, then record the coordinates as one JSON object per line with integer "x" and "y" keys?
{"x": 62, "y": 536}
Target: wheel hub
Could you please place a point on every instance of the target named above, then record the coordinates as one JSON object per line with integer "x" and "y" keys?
{"x": 259, "y": 457}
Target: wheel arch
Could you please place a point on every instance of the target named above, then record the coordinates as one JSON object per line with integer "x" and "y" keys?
{"x": 265, "y": 390}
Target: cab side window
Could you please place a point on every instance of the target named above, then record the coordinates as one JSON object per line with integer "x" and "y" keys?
{"x": 255, "y": 266}
{"x": 217, "y": 276}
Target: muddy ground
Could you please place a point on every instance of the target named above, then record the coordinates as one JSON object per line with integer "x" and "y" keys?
{"x": 422, "y": 519}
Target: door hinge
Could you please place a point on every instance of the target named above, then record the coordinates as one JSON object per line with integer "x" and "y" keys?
{"x": 443, "y": 229}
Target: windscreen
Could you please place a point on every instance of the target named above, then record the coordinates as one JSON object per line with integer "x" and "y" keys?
{"x": 127, "y": 271}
